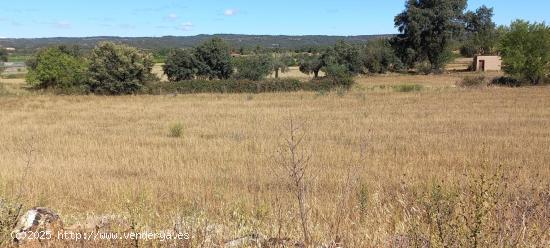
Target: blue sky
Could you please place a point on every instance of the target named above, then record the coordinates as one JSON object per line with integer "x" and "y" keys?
{"x": 76, "y": 18}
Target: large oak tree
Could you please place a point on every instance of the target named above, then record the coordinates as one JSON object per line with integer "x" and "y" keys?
{"x": 426, "y": 29}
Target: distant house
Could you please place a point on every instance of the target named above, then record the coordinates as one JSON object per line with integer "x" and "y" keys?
{"x": 487, "y": 63}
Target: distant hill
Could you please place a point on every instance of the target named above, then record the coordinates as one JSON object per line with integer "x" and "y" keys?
{"x": 155, "y": 43}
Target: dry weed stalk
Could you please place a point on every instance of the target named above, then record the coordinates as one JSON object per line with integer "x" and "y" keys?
{"x": 295, "y": 161}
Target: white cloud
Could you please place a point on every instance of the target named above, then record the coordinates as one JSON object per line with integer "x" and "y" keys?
{"x": 230, "y": 12}
{"x": 172, "y": 17}
{"x": 187, "y": 26}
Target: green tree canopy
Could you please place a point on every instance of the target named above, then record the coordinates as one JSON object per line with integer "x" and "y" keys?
{"x": 311, "y": 64}
{"x": 427, "y": 28}
{"x": 254, "y": 67}
{"x": 525, "y": 51}
{"x": 346, "y": 55}
{"x": 379, "y": 57}
{"x": 215, "y": 55}
{"x": 54, "y": 67}
{"x": 481, "y": 34}
{"x": 119, "y": 69}
{"x": 3, "y": 55}
{"x": 181, "y": 65}
{"x": 280, "y": 63}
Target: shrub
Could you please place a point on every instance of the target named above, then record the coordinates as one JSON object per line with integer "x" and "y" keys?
{"x": 9, "y": 212}
{"x": 525, "y": 51}
{"x": 3, "y": 55}
{"x": 248, "y": 86}
{"x": 118, "y": 69}
{"x": 225, "y": 86}
{"x": 407, "y": 87}
{"x": 176, "y": 130}
{"x": 379, "y": 57}
{"x": 55, "y": 68}
{"x": 329, "y": 83}
{"x": 181, "y": 65}
{"x": 344, "y": 55}
{"x": 337, "y": 71}
{"x": 253, "y": 68}
{"x": 506, "y": 81}
{"x": 472, "y": 81}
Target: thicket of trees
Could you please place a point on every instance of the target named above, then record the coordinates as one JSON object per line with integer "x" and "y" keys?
{"x": 429, "y": 32}
{"x": 525, "y": 50}
{"x": 109, "y": 69}
{"x": 481, "y": 35}
{"x": 3, "y": 55}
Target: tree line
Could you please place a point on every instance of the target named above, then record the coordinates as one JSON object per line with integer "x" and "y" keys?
{"x": 429, "y": 32}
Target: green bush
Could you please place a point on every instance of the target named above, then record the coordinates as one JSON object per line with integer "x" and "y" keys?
{"x": 247, "y": 86}
{"x": 55, "y": 68}
{"x": 525, "y": 51}
{"x": 181, "y": 65}
{"x": 407, "y": 87}
{"x": 506, "y": 81}
{"x": 253, "y": 68}
{"x": 176, "y": 130}
{"x": 379, "y": 57}
{"x": 119, "y": 69}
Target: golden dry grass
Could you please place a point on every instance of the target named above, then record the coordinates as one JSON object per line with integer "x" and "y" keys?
{"x": 99, "y": 155}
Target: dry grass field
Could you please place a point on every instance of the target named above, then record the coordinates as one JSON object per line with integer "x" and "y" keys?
{"x": 435, "y": 163}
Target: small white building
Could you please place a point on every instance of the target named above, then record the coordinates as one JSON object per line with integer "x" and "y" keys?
{"x": 487, "y": 63}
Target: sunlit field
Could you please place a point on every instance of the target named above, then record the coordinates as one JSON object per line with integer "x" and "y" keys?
{"x": 380, "y": 154}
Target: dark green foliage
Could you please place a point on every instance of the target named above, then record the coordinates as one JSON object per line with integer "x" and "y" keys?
{"x": 181, "y": 65}
{"x": 225, "y": 86}
{"x": 254, "y": 67}
{"x": 248, "y": 86}
{"x": 506, "y": 81}
{"x": 215, "y": 55}
{"x": 56, "y": 67}
{"x": 379, "y": 57}
{"x": 118, "y": 69}
{"x": 481, "y": 34}
{"x": 525, "y": 51}
{"x": 3, "y": 55}
{"x": 346, "y": 55}
{"x": 311, "y": 64}
{"x": 337, "y": 71}
{"x": 426, "y": 30}
{"x": 344, "y": 59}
{"x": 280, "y": 63}
{"x": 407, "y": 88}
{"x": 3, "y": 58}
{"x": 161, "y": 45}
{"x": 469, "y": 49}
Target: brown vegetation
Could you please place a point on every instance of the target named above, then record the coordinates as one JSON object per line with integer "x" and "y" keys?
{"x": 444, "y": 165}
